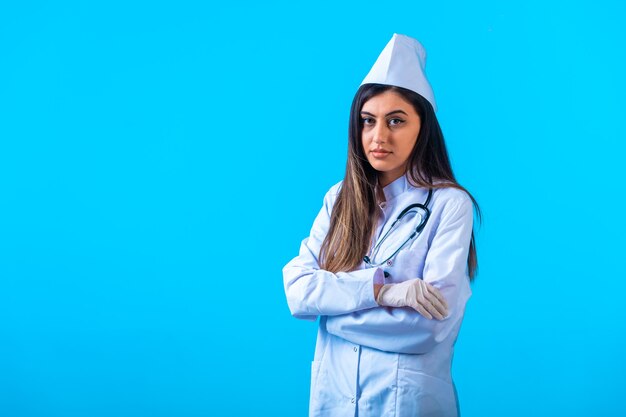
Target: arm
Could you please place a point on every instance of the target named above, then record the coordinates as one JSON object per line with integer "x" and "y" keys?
{"x": 312, "y": 291}
{"x": 404, "y": 330}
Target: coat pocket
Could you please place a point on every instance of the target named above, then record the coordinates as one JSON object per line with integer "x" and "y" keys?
{"x": 423, "y": 395}
{"x": 408, "y": 264}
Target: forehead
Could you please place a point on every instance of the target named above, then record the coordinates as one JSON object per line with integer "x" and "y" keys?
{"x": 386, "y": 102}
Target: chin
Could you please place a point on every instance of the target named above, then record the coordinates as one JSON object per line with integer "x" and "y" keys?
{"x": 381, "y": 166}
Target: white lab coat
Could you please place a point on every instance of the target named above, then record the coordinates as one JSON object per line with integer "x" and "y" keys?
{"x": 379, "y": 361}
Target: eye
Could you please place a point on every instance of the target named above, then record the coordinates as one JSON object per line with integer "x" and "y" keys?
{"x": 395, "y": 121}
{"x": 367, "y": 120}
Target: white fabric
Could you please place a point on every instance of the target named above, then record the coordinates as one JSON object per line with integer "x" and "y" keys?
{"x": 380, "y": 361}
{"x": 402, "y": 63}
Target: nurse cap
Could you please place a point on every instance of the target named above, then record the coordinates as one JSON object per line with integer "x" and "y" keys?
{"x": 402, "y": 63}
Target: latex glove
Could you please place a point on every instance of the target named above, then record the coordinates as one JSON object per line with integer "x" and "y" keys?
{"x": 417, "y": 294}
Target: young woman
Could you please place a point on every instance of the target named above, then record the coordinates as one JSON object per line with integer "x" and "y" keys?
{"x": 390, "y": 256}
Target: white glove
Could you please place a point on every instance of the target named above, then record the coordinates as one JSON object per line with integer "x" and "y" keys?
{"x": 415, "y": 293}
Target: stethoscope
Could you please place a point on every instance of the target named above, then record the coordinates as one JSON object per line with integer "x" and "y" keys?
{"x": 418, "y": 229}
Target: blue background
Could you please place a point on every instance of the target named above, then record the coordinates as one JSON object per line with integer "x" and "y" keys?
{"x": 161, "y": 161}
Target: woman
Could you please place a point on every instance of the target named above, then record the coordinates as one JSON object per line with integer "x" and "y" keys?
{"x": 389, "y": 284}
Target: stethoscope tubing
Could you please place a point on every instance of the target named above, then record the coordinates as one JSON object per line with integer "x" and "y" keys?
{"x": 417, "y": 230}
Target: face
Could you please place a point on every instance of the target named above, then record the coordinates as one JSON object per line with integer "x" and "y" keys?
{"x": 390, "y": 129}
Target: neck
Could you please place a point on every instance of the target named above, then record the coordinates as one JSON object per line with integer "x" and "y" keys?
{"x": 386, "y": 178}
{"x": 380, "y": 194}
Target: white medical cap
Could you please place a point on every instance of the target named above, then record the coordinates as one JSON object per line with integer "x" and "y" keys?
{"x": 402, "y": 63}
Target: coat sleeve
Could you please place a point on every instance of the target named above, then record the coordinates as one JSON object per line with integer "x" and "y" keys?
{"x": 312, "y": 291}
{"x": 404, "y": 330}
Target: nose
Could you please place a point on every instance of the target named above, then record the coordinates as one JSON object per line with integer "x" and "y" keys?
{"x": 380, "y": 133}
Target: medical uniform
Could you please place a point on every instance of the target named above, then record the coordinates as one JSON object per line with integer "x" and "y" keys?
{"x": 379, "y": 361}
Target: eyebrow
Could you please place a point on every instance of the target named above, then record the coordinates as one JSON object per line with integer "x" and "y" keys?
{"x": 388, "y": 114}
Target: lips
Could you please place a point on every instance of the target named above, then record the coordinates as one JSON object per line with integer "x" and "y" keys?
{"x": 380, "y": 153}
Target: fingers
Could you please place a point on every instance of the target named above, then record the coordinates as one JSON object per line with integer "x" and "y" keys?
{"x": 429, "y": 301}
{"x": 435, "y": 308}
{"x": 437, "y": 294}
{"x": 432, "y": 309}
{"x": 420, "y": 309}
{"x": 437, "y": 300}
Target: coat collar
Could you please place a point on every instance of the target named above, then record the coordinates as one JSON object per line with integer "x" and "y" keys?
{"x": 394, "y": 188}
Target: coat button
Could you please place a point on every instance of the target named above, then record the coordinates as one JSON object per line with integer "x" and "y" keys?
{"x": 352, "y": 400}
{"x": 355, "y": 349}
{"x": 389, "y": 262}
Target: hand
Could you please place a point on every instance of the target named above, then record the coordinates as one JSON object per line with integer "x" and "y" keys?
{"x": 417, "y": 294}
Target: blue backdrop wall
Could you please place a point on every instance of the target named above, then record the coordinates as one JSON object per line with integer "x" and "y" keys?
{"x": 161, "y": 161}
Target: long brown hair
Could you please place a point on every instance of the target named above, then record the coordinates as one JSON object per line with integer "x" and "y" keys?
{"x": 353, "y": 215}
